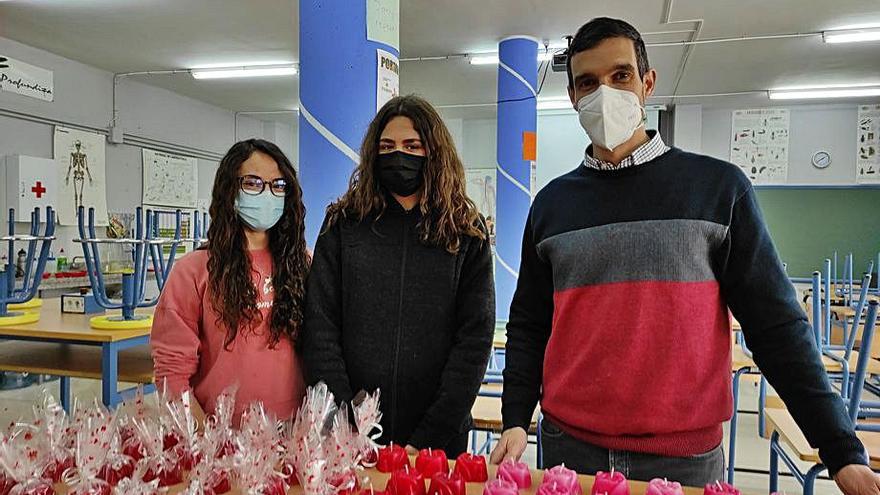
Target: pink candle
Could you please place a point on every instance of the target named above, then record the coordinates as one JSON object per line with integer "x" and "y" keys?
{"x": 472, "y": 468}
{"x": 664, "y": 487}
{"x": 565, "y": 479}
{"x": 613, "y": 483}
{"x": 500, "y": 487}
{"x": 517, "y": 472}
{"x": 447, "y": 484}
{"x": 391, "y": 459}
{"x": 719, "y": 488}
{"x": 552, "y": 488}
{"x": 430, "y": 462}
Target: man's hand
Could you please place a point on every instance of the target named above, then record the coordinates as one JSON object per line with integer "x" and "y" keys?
{"x": 512, "y": 444}
{"x": 856, "y": 479}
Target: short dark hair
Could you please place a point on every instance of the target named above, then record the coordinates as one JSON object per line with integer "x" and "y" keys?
{"x": 601, "y": 29}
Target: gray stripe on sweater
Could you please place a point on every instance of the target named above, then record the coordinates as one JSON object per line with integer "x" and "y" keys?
{"x": 653, "y": 250}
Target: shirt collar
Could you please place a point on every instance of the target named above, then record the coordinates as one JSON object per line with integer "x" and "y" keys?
{"x": 654, "y": 148}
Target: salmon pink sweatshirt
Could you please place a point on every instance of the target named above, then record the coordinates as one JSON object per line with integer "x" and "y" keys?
{"x": 187, "y": 343}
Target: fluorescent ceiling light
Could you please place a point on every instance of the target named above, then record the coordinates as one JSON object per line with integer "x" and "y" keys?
{"x": 492, "y": 58}
{"x": 238, "y": 64}
{"x": 826, "y": 92}
{"x": 484, "y": 59}
{"x": 257, "y": 71}
{"x": 851, "y": 35}
{"x": 554, "y": 104}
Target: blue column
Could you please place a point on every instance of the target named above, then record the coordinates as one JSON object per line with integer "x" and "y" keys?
{"x": 337, "y": 99}
{"x": 517, "y": 124}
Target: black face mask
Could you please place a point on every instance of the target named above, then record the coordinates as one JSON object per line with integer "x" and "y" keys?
{"x": 401, "y": 173}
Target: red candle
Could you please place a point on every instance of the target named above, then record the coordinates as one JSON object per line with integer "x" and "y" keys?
{"x": 613, "y": 483}
{"x": 372, "y": 492}
{"x": 275, "y": 486}
{"x": 664, "y": 487}
{"x": 517, "y": 472}
{"x": 447, "y": 484}
{"x": 500, "y": 487}
{"x": 53, "y": 471}
{"x": 221, "y": 484}
{"x": 6, "y": 484}
{"x": 346, "y": 485}
{"x": 719, "y": 488}
{"x": 564, "y": 479}
{"x": 406, "y": 482}
{"x": 392, "y": 458}
{"x": 430, "y": 462}
{"x": 472, "y": 468}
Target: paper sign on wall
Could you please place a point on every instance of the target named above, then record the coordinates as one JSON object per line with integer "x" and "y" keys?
{"x": 868, "y": 145}
{"x": 383, "y": 22}
{"x": 26, "y": 80}
{"x": 480, "y": 188}
{"x": 79, "y": 156}
{"x": 387, "y": 77}
{"x": 170, "y": 180}
{"x": 759, "y": 144}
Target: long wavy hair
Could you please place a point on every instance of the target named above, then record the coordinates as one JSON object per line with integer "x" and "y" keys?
{"x": 447, "y": 212}
{"x": 233, "y": 295}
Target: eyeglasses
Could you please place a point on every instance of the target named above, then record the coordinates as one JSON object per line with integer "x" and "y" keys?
{"x": 253, "y": 185}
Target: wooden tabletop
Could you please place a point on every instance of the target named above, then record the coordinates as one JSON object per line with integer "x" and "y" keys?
{"x": 780, "y": 420}
{"x": 78, "y": 361}
{"x": 500, "y": 340}
{"x": 55, "y": 325}
{"x": 487, "y": 415}
{"x": 379, "y": 480}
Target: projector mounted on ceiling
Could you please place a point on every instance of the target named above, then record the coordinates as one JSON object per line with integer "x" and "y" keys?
{"x": 560, "y": 59}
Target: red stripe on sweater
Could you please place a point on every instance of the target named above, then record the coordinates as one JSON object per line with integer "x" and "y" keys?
{"x": 641, "y": 366}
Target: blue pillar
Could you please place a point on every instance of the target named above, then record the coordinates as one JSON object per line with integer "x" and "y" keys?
{"x": 517, "y": 124}
{"x": 337, "y": 95}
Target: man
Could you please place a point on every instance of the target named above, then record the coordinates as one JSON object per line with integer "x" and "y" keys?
{"x": 619, "y": 324}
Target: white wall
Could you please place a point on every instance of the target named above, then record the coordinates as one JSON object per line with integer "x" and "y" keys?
{"x": 830, "y": 128}
{"x": 561, "y": 142}
{"x": 83, "y": 97}
{"x": 688, "y": 128}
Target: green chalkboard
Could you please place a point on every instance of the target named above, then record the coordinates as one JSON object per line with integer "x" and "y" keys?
{"x": 809, "y": 224}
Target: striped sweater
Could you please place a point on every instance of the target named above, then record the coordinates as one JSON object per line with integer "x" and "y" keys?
{"x": 619, "y": 324}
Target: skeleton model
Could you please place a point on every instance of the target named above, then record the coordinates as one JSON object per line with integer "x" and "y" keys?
{"x": 79, "y": 165}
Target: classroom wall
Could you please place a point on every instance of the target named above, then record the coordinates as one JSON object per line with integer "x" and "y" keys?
{"x": 83, "y": 97}
{"x": 830, "y": 128}
{"x": 561, "y": 142}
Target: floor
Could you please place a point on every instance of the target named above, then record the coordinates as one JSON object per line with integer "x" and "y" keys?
{"x": 752, "y": 451}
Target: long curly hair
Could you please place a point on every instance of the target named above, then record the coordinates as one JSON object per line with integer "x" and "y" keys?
{"x": 233, "y": 295}
{"x": 447, "y": 212}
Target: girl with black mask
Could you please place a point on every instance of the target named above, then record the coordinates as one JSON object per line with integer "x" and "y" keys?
{"x": 401, "y": 296}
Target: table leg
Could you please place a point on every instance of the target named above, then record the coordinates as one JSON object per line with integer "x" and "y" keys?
{"x": 64, "y": 383}
{"x": 731, "y": 454}
{"x": 109, "y": 373}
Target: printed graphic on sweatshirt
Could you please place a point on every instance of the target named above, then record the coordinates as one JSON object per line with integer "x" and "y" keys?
{"x": 267, "y": 293}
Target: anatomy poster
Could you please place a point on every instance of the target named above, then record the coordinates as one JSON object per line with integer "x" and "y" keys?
{"x": 81, "y": 180}
{"x": 170, "y": 180}
{"x": 480, "y": 188}
{"x": 868, "y": 146}
{"x": 759, "y": 144}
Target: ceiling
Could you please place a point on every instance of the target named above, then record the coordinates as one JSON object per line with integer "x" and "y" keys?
{"x": 128, "y": 35}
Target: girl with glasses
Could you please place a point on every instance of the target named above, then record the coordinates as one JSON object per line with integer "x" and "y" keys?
{"x": 231, "y": 311}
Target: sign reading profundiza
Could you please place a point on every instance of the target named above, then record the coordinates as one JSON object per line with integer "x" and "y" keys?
{"x": 26, "y": 80}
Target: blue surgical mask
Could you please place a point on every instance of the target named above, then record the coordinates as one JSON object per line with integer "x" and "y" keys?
{"x": 261, "y": 211}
